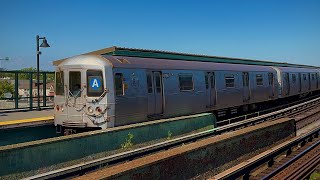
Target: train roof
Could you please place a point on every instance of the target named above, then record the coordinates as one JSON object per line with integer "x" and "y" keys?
{"x": 156, "y": 54}
{"x": 296, "y": 70}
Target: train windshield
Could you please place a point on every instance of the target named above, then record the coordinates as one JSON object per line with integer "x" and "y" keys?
{"x": 59, "y": 83}
{"x": 95, "y": 83}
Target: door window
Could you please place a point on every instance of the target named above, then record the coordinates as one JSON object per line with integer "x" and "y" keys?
{"x": 212, "y": 80}
{"x": 270, "y": 78}
{"x": 149, "y": 83}
{"x": 118, "y": 83}
{"x": 206, "y": 80}
{"x": 245, "y": 77}
{"x": 75, "y": 83}
{"x": 158, "y": 82}
{"x": 294, "y": 78}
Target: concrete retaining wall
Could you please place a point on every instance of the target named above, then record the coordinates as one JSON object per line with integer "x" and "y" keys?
{"x": 34, "y": 155}
{"x": 196, "y": 158}
{"x": 26, "y": 134}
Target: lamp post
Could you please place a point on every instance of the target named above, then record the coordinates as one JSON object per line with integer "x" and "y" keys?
{"x": 44, "y": 44}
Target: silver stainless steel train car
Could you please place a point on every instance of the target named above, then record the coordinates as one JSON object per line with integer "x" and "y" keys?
{"x": 102, "y": 90}
{"x": 295, "y": 81}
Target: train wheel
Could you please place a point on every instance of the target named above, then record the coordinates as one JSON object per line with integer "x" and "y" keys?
{"x": 253, "y": 107}
{"x": 245, "y": 108}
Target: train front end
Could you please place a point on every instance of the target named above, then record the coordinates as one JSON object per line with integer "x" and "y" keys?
{"x": 82, "y": 98}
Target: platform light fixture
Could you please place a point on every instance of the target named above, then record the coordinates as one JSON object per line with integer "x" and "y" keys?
{"x": 44, "y": 44}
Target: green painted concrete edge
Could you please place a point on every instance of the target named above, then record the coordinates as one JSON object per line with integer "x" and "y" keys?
{"x": 37, "y": 154}
{"x": 27, "y": 134}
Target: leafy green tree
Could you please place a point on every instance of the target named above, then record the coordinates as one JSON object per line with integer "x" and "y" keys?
{"x": 6, "y": 87}
{"x": 27, "y": 75}
{"x": 50, "y": 77}
{"x": 24, "y": 74}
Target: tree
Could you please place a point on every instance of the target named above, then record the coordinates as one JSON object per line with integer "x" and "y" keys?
{"x": 6, "y": 87}
{"x": 50, "y": 76}
{"x": 27, "y": 75}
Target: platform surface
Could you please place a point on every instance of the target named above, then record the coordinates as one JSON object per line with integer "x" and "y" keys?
{"x": 27, "y": 118}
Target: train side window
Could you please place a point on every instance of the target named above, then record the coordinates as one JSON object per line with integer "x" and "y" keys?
{"x": 259, "y": 79}
{"x": 59, "y": 83}
{"x": 312, "y": 75}
{"x": 270, "y": 77}
{"x": 94, "y": 83}
{"x": 304, "y": 77}
{"x": 149, "y": 83}
{"x": 185, "y": 82}
{"x": 294, "y": 78}
{"x": 118, "y": 80}
{"x": 229, "y": 80}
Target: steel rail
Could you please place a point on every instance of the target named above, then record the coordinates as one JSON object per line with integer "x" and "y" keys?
{"x": 307, "y": 168}
{"x": 129, "y": 155}
{"x": 245, "y": 170}
{"x": 258, "y": 113}
{"x": 287, "y": 164}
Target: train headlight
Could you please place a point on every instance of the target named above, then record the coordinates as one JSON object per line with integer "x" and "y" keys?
{"x": 62, "y": 108}
{"x": 99, "y": 110}
{"x": 90, "y": 110}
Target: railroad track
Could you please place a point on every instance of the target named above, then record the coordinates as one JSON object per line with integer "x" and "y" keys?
{"x": 266, "y": 111}
{"x": 93, "y": 165}
{"x": 299, "y": 164}
{"x": 294, "y": 159}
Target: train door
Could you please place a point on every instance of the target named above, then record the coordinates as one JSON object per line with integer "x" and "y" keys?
{"x": 210, "y": 89}
{"x": 74, "y": 94}
{"x": 155, "y": 95}
{"x": 246, "y": 88}
{"x": 300, "y": 82}
{"x": 271, "y": 84}
{"x": 286, "y": 84}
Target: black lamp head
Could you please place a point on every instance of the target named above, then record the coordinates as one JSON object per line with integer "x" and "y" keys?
{"x": 44, "y": 43}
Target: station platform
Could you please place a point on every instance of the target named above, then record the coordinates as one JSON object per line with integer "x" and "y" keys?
{"x": 27, "y": 118}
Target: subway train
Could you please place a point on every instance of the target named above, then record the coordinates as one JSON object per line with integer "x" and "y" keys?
{"x": 119, "y": 86}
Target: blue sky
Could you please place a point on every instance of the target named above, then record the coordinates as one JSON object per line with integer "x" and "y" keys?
{"x": 285, "y": 31}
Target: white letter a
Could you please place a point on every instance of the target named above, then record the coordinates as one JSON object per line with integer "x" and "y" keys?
{"x": 95, "y": 83}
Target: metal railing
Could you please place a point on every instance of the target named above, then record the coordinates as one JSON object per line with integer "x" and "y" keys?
{"x": 18, "y": 90}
